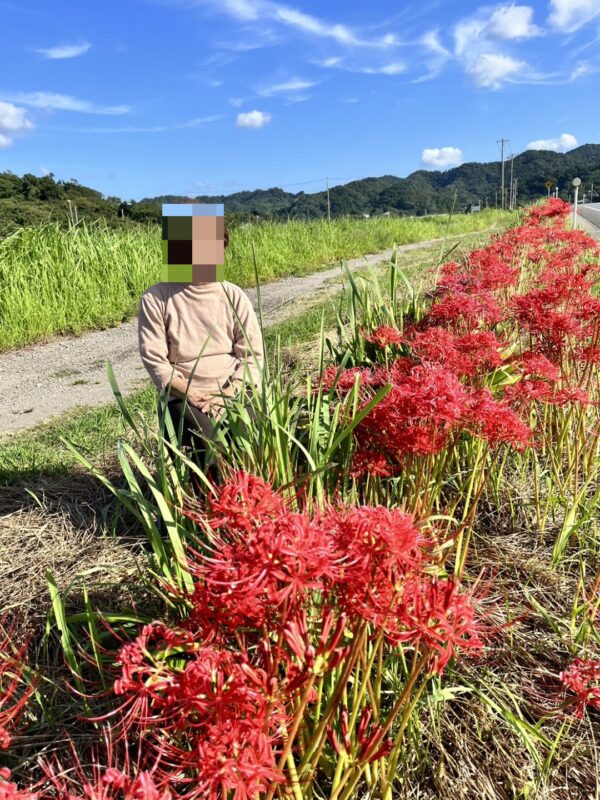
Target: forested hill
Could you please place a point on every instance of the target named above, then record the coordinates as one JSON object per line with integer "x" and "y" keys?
{"x": 425, "y": 191}
{"x": 30, "y": 199}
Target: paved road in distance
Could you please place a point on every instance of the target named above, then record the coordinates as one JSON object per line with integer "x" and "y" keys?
{"x": 589, "y": 219}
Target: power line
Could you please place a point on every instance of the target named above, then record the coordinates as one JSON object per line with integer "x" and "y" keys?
{"x": 241, "y": 187}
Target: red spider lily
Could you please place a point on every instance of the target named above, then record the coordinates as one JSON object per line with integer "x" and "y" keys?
{"x": 496, "y": 422}
{"x": 417, "y": 417}
{"x": 487, "y": 269}
{"x": 167, "y": 678}
{"x": 370, "y": 462}
{"x": 384, "y": 336}
{"x": 536, "y": 365}
{"x": 243, "y": 502}
{"x": 435, "y": 614}
{"x": 107, "y": 784}
{"x": 15, "y": 689}
{"x": 381, "y": 547}
{"x": 525, "y": 392}
{"x": 582, "y": 677}
{"x": 136, "y": 670}
{"x": 326, "y": 655}
{"x": 10, "y": 790}
{"x": 366, "y": 735}
{"x": 466, "y": 309}
{"x": 215, "y": 719}
{"x": 228, "y": 758}
{"x": 537, "y": 313}
{"x": 468, "y": 354}
{"x": 246, "y": 578}
{"x": 345, "y": 379}
{"x": 553, "y": 208}
{"x": 590, "y": 354}
{"x": 110, "y": 775}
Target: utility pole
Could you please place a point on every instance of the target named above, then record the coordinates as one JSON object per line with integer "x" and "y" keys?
{"x": 502, "y": 142}
{"x": 592, "y": 192}
{"x": 510, "y": 197}
{"x": 328, "y": 202}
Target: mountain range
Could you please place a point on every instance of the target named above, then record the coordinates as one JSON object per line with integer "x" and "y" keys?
{"x": 30, "y": 199}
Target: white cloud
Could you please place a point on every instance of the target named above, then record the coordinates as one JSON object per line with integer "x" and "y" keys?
{"x": 491, "y": 70}
{"x": 253, "y": 119}
{"x": 438, "y": 55}
{"x": 255, "y": 10}
{"x": 431, "y": 40}
{"x": 564, "y": 142}
{"x": 65, "y": 50}
{"x": 287, "y": 87}
{"x": 334, "y": 61}
{"x": 392, "y": 68}
{"x": 245, "y": 10}
{"x": 467, "y": 36}
{"x": 569, "y": 15}
{"x": 395, "y": 68}
{"x": 479, "y": 45}
{"x": 440, "y": 157}
{"x": 512, "y": 22}
{"x": 61, "y": 102}
{"x": 580, "y": 71}
{"x": 317, "y": 27}
{"x": 176, "y": 126}
{"x": 13, "y": 121}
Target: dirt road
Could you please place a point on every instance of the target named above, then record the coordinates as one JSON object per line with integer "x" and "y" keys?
{"x": 45, "y": 380}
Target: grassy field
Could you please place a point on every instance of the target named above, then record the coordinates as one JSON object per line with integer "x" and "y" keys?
{"x": 39, "y": 455}
{"x": 89, "y": 277}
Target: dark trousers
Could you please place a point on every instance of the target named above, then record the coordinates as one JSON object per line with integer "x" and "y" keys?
{"x": 198, "y": 427}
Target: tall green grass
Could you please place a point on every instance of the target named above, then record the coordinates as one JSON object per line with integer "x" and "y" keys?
{"x": 57, "y": 281}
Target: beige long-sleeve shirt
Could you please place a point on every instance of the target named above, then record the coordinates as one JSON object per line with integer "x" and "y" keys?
{"x": 180, "y": 321}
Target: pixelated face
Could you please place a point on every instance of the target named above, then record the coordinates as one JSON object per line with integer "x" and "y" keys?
{"x": 193, "y": 247}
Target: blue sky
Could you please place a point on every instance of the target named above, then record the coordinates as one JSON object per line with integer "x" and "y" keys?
{"x": 145, "y": 97}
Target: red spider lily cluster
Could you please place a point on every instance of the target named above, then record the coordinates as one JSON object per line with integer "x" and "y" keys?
{"x": 582, "y": 678}
{"x": 284, "y": 604}
{"x": 490, "y": 313}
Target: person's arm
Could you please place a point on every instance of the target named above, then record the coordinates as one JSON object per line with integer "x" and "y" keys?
{"x": 154, "y": 350}
{"x": 247, "y": 344}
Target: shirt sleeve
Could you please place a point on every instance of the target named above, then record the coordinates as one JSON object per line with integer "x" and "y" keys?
{"x": 248, "y": 341}
{"x": 152, "y": 337}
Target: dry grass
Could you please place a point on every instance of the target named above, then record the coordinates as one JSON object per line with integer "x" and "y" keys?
{"x": 471, "y": 747}
{"x": 58, "y": 531}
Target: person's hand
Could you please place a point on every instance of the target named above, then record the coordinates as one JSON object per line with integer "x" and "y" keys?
{"x": 201, "y": 400}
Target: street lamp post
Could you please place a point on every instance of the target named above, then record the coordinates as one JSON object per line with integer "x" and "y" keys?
{"x": 576, "y": 184}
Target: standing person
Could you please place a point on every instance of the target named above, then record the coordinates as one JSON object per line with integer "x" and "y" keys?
{"x": 198, "y": 334}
